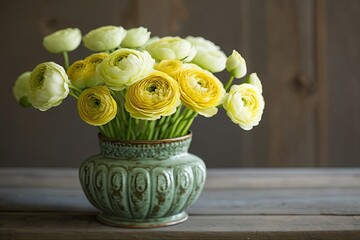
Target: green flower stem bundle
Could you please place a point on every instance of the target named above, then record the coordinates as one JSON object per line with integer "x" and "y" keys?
{"x": 134, "y": 86}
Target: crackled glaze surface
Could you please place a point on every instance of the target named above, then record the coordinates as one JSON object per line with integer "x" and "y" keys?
{"x": 143, "y": 184}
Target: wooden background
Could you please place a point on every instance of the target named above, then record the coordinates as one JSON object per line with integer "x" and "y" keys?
{"x": 306, "y": 52}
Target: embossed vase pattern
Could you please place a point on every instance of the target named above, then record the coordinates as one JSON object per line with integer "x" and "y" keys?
{"x": 143, "y": 184}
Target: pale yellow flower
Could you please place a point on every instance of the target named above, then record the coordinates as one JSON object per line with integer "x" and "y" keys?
{"x": 20, "y": 91}
{"x": 135, "y": 37}
{"x": 171, "y": 48}
{"x": 208, "y": 56}
{"x": 200, "y": 91}
{"x": 64, "y": 40}
{"x": 96, "y": 106}
{"x": 244, "y": 104}
{"x": 82, "y": 73}
{"x": 236, "y": 65}
{"x": 124, "y": 67}
{"x": 154, "y": 96}
{"x": 212, "y": 60}
{"x": 104, "y": 38}
{"x": 170, "y": 67}
{"x": 47, "y": 86}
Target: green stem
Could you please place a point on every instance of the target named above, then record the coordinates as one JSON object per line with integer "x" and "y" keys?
{"x": 74, "y": 91}
{"x": 66, "y": 60}
{"x": 151, "y": 130}
{"x": 228, "y": 84}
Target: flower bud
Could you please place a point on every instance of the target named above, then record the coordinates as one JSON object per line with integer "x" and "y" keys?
{"x": 254, "y": 80}
{"x": 104, "y": 38}
{"x": 19, "y": 89}
{"x": 64, "y": 40}
{"x": 236, "y": 65}
{"x": 135, "y": 37}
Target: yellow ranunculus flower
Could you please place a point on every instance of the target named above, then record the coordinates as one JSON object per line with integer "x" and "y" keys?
{"x": 244, "y": 104}
{"x": 200, "y": 91}
{"x": 124, "y": 67}
{"x": 152, "y": 97}
{"x": 83, "y": 74}
{"x": 170, "y": 67}
{"x": 96, "y": 106}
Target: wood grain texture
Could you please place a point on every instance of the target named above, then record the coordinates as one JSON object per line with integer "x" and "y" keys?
{"x": 343, "y": 73}
{"x": 84, "y": 226}
{"x": 235, "y": 204}
{"x": 305, "y": 52}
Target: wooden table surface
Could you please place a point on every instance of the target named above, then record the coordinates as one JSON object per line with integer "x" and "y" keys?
{"x": 248, "y": 204}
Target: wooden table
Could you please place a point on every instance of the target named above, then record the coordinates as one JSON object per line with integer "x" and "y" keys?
{"x": 235, "y": 204}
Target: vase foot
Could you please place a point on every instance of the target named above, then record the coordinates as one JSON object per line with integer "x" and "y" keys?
{"x": 141, "y": 223}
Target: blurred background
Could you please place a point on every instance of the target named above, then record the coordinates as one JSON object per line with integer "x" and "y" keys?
{"x": 306, "y": 52}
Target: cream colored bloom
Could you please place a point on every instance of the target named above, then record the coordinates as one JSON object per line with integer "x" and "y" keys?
{"x": 202, "y": 44}
{"x": 82, "y": 73}
{"x": 124, "y": 67}
{"x": 236, "y": 65}
{"x": 135, "y": 37}
{"x": 244, "y": 104}
{"x": 64, "y": 40}
{"x": 171, "y": 48}
{"x": 170, "y": 67}
{"x": 212, "y": 60}
{"x": 208, "y": 56}
{"x": 104, "y": 38}
{"x": 47, "y": 85}
{"x": 154, "y": 96}
{"x": 96, "y": 106}
{"x": 20, "y": 91}
{"x": 253, "y": 79}
{"x": 200, "y": 91}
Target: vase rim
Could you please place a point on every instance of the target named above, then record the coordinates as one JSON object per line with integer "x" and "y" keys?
{"x": 141, "y": 142}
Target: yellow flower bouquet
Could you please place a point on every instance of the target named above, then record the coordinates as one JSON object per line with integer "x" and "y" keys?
{"x": 138, "y": 87}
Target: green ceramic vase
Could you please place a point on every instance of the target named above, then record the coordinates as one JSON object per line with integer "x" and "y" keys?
{"x": 143, "y": 184}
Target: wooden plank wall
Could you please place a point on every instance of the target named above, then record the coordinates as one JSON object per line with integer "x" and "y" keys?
{"x": 307, "y": 53}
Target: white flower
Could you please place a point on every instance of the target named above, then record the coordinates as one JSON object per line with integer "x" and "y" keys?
{"x": 20, "y": 91}
{"x": 124, "y": 67}
{"x": 201, "y": 43}
{"x": 213, "y": 60}
{"x": 236, "y": 65}
{"x": 171, "y": 48}
{"x": 64, "y": 40}
{"x": 135, "y": 37}
{"x": 47, "y": 85}
{"x": 104, "y": 38}
{"x": 209, "y": 56}
{"x": 244, "y": 105}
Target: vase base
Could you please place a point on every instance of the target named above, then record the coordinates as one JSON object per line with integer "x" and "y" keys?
{"x": 141, "y": 223}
